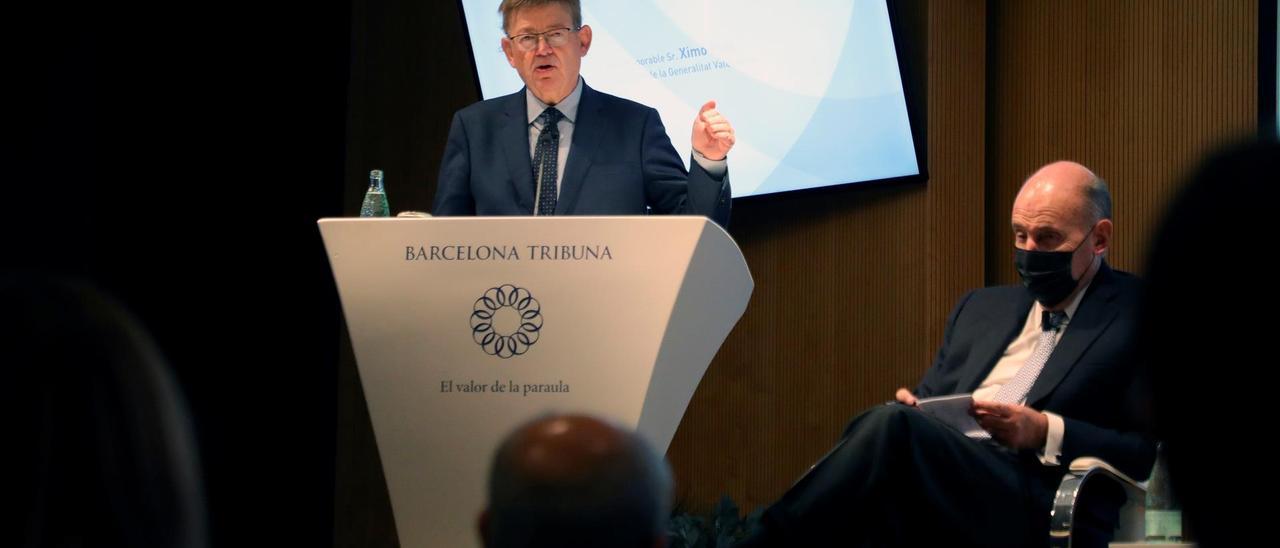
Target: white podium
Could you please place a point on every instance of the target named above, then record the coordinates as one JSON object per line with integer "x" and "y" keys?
{"x": 464, "y": 328}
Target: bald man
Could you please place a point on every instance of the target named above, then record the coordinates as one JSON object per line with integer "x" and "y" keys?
{"x": 1047, "y": 364}
{"x": 574, "y": 480}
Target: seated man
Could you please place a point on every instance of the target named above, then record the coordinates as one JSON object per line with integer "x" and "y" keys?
{"x": 573, "y": 480}
{"x": 1048, "y": 366}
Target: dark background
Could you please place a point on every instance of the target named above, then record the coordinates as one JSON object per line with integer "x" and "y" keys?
{"x": 178, "y": 155}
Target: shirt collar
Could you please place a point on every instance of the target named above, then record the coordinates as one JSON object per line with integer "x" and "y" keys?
{"x": 568, "y": 107}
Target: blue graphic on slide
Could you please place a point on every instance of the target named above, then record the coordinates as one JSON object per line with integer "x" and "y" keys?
{"x": 812, "y": 87}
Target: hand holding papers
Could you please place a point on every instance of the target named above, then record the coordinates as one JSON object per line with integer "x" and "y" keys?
{"x": 953, "y": 411}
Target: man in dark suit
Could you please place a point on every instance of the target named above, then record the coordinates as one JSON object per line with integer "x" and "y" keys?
{"x": 1049, "y": 369}
{"x": 558, "y": 147}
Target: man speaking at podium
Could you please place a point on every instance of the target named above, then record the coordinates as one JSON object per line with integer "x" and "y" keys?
{"x": 559, "y": 147}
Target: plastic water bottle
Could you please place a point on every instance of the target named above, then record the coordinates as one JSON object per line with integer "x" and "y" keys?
{"x": 1163, "y": 513}
{"x": 375, "y": 199}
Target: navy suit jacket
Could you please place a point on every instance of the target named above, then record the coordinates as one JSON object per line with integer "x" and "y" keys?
{"x": 1090, "y": 379}
{"x": 620, "y": 162}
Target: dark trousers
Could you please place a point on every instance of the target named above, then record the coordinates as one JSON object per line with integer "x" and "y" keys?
{"x": 899, "y": 477}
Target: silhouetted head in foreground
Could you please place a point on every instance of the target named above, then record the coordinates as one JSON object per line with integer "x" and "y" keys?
{"x": 101, "y": 442}
{"x": 1206, "y": 341}
{"x": 574, "y": 480}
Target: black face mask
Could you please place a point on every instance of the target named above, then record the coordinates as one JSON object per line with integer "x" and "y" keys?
{"x": 1047, "y": 274}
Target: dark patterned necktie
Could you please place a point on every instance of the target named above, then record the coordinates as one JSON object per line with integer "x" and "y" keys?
{"x": 544, "y": 160}
{"x": 1017, "y": 388}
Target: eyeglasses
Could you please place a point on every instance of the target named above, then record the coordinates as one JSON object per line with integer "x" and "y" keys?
{"x": 554, "y": 37}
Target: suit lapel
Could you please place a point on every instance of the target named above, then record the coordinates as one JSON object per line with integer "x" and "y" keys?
{"x": 515, "y": 147}
{"x": 988, "y": 350}
{"x": 1094, "y": 314}
{"x": 586, "y": 131}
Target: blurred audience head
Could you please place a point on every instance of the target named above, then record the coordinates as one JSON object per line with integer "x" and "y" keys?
{"x": 101, "y": 439}
{"x": 575, "y": 480}
{"x": 1205, "y": 339}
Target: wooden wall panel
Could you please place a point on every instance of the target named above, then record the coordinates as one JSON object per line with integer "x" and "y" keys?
{"x": 1136, "y": 90}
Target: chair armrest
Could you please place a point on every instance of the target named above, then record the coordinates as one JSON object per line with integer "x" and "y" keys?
{"x": 1084, "y": 465}
{"x": 1087, "y": 470}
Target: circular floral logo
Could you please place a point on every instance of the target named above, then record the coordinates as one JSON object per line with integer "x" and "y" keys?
{"x": 506, "y": 321}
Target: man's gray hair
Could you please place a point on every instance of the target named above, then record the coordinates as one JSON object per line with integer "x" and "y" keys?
{"x": 1098, "y": 199}
{"x": 508, "y": 9}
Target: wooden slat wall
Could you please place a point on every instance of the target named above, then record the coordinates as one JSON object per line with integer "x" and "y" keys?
{"x": 852, "y": 288}
{"x": 1136, "y": 90}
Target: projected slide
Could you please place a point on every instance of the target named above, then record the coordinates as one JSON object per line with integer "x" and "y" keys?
{"x": 811, "y": 87}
